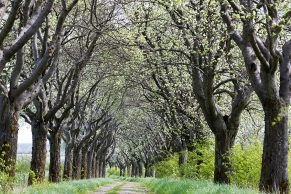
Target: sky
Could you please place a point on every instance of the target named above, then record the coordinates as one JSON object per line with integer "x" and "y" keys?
{"x": 24, "y": 133}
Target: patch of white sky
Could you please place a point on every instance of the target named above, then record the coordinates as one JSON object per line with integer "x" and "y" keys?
{"x": 24, "y": 133}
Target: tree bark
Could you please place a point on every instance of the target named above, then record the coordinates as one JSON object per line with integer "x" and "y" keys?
{"x": 84, "y": 164}
{"x": 97, "y": 168}
{"x": 38, "y": 158}
{"x": 274, "y": 174}
{"x": 140, "y": 169}
{"x": 262, "y": 65}
{"x": 8, "y": 135}
{"x": 223, "y": 146}
{"x": 147, "y": 169}
{"x": 94, "y": 166}
{"x": 103, "y": 168}
{"x": 68, "y": 165}
{"x": 77, "y": 164}
{"x": 128, "y": 170}
{"x": 90, "y": 167}
{"x": 55, "y": 158}
{"x": 133, "y": 169}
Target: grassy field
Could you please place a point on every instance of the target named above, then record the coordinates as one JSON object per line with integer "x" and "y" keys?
{"x": 71, "y": 187}
{"x": 159, "y": 186}
{"x": 187, "y": 186}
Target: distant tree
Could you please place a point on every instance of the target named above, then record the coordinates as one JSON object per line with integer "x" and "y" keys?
{"x": 188, "y": 35}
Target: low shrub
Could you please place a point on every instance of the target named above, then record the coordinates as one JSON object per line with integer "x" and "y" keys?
{"x": 246, "y": 164}
{"x": 112, "y": 171}
{"x": 168, "y": 168}
{"x": 200, "y": 163}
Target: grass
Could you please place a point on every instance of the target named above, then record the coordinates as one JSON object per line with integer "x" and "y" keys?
{"x": 188, "y": 186}
{"x": 116, "y": 189}
{"x": 71, "y": 187}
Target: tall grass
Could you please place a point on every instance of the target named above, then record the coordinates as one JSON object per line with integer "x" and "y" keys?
{"x": 71, "y": 187}
{"x": 187, "y": 186}
{"x": 22, "y": 170}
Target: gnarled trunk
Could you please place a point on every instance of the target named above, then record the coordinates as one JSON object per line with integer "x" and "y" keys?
{"x": 274, "y": 173}
{"x": 8, "y": 135}
{"x": 55, "y": 158}
{"x": 38, "y": 158}
{"x": 223, "y": 145}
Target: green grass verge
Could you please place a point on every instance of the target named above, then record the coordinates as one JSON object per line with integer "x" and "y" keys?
{"x": 71, "y": 187}
{"x": 187, "y": 186}
{"x": 116, "y": 189}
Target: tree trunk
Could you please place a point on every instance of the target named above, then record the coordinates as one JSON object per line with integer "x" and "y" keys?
{"x": 97, "y": 168}
{"x": 133, "y": 169}
{"x": 153, "y": 173}
{"x": 147, "y": 169}
{"x": 140, "y": 169}
{"x": 55, "y": 158}
{"x": 38, "y": 158}
{"x": 100, "y": 168}
{"x": 68, "y": 165}
{"x": 8, "y": 135}
{"x": 183, "y": 155}
{"x": 128, "y": 170}
{"x": 84, "y": 164}
{"x": 94, "y": 166}
{"x": 103, "y": 167}
{"x": 121, "y": 171}
{"x": 223, "y": 145}
{"x": 90, "y": 167}
{"x": 77, "y": 164}
{"x": 274, "y": 172}
{"x": 122, "y": 168}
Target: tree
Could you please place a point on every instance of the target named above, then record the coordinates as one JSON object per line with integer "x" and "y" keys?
{"x": 42, "y": 103}
{"x": 267, "y": 63}
{"x": 21, "y": 78}
{"x": 191, "y": 36}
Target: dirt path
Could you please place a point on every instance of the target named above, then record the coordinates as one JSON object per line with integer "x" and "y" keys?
{"x": 133, "y": 188}
{"x": 127, "y": 188}
{"x": 105, "y": 189}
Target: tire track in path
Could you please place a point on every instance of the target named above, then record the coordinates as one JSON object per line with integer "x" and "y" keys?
{"x": 133, "y": 188}
{"x": 105, "y": 189}
{"x": 126, "y": 188}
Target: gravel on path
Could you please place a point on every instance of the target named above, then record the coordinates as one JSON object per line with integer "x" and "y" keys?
{"x": 133, "y": 188}
{"x": 105, "y": 189}
{"x": 127, "y": 188}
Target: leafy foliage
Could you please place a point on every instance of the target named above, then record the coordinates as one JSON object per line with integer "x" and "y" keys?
{"x": 6, "y": 181}
{"x": 168, "y": 168}
{"x": 246, "y": 162}
{"x": 112, "y": 171}
{"x": 200, "y": 164}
